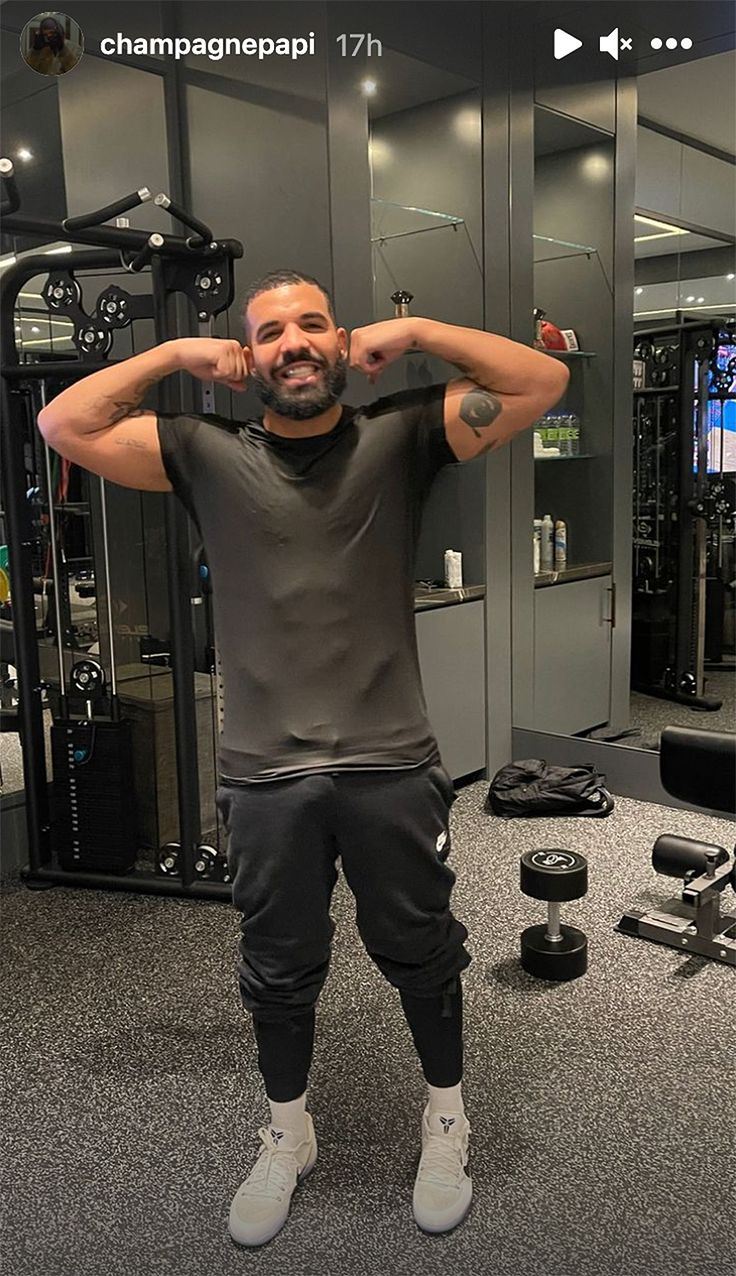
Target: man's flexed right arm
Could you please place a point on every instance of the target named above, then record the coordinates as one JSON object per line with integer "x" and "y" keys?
{"x": 99, "y": 424}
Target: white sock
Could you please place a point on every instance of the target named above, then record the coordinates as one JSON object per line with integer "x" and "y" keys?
{"x": 290, "y": 1116}
{"x": 446, "y": 1099}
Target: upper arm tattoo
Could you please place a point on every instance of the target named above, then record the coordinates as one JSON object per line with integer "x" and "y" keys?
{"x": 479, "y": 408}
{"x": 123, "y": 410}
{"x": 131, "y": 407}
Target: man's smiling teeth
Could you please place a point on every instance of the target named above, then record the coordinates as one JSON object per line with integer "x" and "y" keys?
{"x": 299, "y": 370}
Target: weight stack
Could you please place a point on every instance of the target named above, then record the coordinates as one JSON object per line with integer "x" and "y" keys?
{"x": 94, "y": 818}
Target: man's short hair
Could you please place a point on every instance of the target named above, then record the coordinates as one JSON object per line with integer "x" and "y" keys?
{"x": 276, "y": 279}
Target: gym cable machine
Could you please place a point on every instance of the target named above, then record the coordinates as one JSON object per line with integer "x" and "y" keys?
{"x": 197, "y": 269}
{"x": 684, "y": 506}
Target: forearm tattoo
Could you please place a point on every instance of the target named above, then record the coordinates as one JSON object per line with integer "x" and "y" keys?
{"x": 479, "y": 409}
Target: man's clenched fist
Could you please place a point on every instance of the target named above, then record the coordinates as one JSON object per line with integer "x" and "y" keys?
{"x": 213, "y": 359}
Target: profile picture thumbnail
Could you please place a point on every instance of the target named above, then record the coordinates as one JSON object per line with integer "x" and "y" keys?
{"x": 51, "y": 43}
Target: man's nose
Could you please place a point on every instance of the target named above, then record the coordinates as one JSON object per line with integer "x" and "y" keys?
{"x": 293, "y": 338}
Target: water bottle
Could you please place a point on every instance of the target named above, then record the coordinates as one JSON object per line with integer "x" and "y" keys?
{"x": 560, "y": 546}
{"x": 547, "y": 550}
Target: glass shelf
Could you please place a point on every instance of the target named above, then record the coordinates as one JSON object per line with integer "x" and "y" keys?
{"x": 570, "y": 354}
{"x": 395, "y": 221}
{"x": 545, "y": 249}
{"x": 580, "y": 456}
{"x": 548, "y": 249}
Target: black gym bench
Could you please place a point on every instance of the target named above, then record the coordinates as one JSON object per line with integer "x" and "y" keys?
{"x": 699, "y": 767}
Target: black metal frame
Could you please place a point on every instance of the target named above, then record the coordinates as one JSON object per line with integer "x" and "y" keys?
{"x": 692, "y": 509}
{"x": 173, "y": 260}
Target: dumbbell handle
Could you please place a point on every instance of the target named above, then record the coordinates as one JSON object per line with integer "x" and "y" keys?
{"x": 554, "y": 934}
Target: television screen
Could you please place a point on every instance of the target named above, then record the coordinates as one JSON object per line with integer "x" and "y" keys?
{"x": 721, "y": 427}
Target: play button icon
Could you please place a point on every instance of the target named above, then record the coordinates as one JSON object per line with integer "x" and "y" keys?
{"x": 565, "y": 43}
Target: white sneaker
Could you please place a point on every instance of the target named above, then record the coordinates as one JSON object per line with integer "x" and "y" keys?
{"x": 443, "y": 1189}
{"x": 260, "y": 1206}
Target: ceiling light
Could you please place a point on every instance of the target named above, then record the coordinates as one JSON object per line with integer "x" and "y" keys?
{"x": 662, "y": 229}
{"x": 638, "y": 291}
{"x": 701, "y": 300}
{"x": 731, "y": 276}
{"x": 689, "y": 298}
{"x": 369, "y": 87}
{"x": 24, "y": 154}
{"x": 35, "y": 329}
{"x": 668, "y": 311}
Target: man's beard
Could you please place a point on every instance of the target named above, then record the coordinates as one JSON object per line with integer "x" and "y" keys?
{"x": 304, "y": 402}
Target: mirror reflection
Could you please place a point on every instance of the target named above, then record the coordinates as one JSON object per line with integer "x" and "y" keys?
{"x": 683, "y": 587}
{"x": 573, "y": 442}
{"x": 683, "y": 644}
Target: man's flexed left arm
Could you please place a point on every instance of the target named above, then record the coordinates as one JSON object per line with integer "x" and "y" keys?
{"x": 505, "y": 388}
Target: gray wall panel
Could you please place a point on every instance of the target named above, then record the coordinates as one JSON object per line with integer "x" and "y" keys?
{"x": 260, "y": 176}
{"x": 677, "y": 180}
{"x": 114, "y": 133}
{"x": 429, "y": 157}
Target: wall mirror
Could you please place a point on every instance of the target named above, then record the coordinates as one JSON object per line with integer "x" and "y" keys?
{"x": 683, "y": 641}
{"x": 423, "y": 103}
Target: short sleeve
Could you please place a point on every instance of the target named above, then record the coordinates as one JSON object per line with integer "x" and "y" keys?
{"x": 432, "y": 449}
{"x": 183, "y": 442}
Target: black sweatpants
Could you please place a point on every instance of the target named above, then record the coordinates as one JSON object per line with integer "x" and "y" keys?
{"x": 391, "y": 830}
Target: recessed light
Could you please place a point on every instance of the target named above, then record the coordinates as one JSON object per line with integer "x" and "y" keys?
{"x": 689, "y": 298}
{"x": 732, "y": 276}
{"x": 701, "y": 300}
{"x": 24, "y": 154}
{"x": 369, "y": 87}
{"x": 34, "y": 329}
{"x": 638, "y": 291}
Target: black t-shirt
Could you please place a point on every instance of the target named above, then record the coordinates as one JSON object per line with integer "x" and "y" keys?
{"x": 311, "y": 545}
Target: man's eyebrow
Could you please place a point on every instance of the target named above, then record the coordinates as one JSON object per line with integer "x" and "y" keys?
{"x": 273, "y": 323}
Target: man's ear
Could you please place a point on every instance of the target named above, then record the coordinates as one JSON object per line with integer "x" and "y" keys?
{"x": 343, "y": 341}
{"x": 248, "y": 359}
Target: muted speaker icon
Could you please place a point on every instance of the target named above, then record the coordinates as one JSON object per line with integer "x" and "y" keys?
{"x": 609, "y": 43}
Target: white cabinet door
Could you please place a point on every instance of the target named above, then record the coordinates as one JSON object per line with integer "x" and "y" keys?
{"x": 451, "y": 646}
{"x": 572, "y": 656}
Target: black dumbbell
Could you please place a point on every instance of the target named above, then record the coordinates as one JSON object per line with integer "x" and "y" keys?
{"x": 551, "y": 950}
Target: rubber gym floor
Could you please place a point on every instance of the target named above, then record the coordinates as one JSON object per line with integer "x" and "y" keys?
{"x": 602, "y": 1113}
